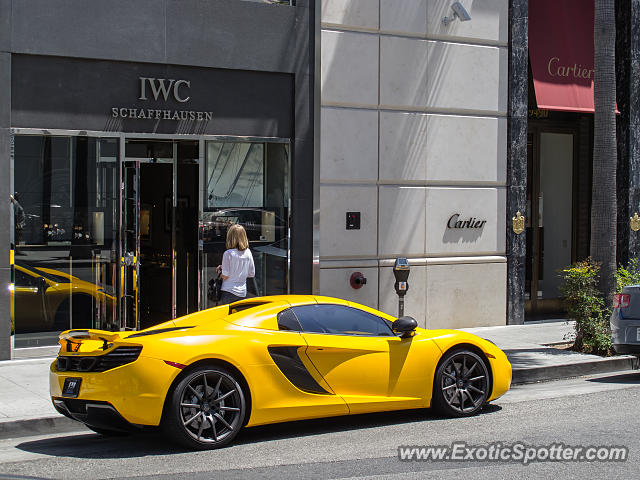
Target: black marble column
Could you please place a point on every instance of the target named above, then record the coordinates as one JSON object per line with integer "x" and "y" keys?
{"x": 622, "y": 127}
{"x": 628, "y": 125}
{"x": 517, "y": 155}
{"x": 633, "y": 133}
{"x": 304, "y": 147}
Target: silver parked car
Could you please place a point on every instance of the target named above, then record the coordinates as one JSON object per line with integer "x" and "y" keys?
{"x": 625, "y": 320}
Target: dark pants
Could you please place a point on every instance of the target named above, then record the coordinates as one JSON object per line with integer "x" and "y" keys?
{"x": 228, "y": 297}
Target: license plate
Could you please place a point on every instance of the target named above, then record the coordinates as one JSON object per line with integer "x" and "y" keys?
{"x": 71, "y": 387}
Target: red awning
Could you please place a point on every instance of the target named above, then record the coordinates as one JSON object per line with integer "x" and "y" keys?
{"x": 561, "y": 53}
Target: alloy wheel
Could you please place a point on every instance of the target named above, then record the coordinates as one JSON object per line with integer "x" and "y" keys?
{"x": 464, "y": 383}
{"x": 211, "y": 408}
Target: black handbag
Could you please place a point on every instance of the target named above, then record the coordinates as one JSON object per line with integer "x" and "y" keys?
{"x": 215, "y": 289}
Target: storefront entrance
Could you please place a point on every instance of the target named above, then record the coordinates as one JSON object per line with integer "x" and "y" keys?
{"x": 558, "y": 205}
{"x": 160, "y": 231}
{"x": 125, "y": 232}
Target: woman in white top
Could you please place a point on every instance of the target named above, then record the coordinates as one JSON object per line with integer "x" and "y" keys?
{"x": 237, "y": 266}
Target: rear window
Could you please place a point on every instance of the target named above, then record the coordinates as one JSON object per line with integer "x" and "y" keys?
{"x": 239, "y": 307}
{"x": 287, "y": 320}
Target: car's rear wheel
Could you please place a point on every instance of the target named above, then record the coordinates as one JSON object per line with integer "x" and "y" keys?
{"x": 461, "y": 385}
{"x": 206, "y": 409}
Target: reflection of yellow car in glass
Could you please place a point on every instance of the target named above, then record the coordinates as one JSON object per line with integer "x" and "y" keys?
{"x": 46, "y": 299}
{"x": 204, "y": 376}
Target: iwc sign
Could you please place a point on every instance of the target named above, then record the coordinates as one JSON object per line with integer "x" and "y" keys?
{"x": 472, "y": 222}
{"x": 162, "y": 90}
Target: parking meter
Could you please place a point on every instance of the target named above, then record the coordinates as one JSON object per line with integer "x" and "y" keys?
{"x": 401, "y": 272}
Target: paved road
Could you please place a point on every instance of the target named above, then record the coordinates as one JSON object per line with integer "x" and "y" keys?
{"x": 600, "y": 410}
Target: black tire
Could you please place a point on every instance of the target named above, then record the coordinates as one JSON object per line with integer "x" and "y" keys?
{"x": 106, "y": 432}
{"x": 461, "y": 385}
{"x": 205, "y": 421}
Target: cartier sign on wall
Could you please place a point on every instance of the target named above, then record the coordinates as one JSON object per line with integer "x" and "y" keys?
{"x": 470, "y": 222}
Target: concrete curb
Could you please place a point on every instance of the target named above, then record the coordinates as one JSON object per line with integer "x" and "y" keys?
{"x": 38, "y": 426}
{"x": 568, "y": 370}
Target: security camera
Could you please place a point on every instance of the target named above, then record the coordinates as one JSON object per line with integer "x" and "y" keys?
{"x": 458, "y": 11}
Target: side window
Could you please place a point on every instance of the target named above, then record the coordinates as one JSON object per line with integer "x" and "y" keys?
{"x": 24, "y": 280}
{"x": 287, "y": 321}
{"x": 340, "y": 320}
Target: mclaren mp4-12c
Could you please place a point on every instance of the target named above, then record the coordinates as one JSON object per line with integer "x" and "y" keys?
{"x": 203, "y": 377}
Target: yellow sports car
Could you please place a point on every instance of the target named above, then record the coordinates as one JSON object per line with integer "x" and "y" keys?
{"x": 264, "y": 360}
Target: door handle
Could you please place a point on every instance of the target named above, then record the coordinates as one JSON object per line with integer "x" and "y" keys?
{"x": 128, "y": 259}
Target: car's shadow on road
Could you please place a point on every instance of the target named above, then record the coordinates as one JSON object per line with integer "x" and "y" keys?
{"x": 153, "y": 443}
{"x": 625, "y": 378}
{"x": 305, "y": 428}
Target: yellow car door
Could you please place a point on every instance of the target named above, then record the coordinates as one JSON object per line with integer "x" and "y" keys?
{"x": 361, "y": 359}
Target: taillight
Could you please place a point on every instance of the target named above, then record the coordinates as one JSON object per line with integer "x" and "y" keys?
{"x": 621, "y": 300}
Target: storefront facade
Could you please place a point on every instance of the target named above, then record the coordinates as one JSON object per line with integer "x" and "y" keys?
{"x": 127, "y": 158}
{"x": 343, "y": 134}
{"x": 556, "y": 69}
{"x": 435, "y": 138}
{"x": 414, "y": 142}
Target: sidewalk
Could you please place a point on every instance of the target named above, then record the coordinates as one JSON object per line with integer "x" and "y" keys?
{"x": 530, "y": 349}
{"x": 25, "y": 406}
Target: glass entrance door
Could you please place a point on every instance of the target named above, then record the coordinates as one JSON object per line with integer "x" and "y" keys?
{"x": 550, "y": 225}
{"x": 159, "y": 225}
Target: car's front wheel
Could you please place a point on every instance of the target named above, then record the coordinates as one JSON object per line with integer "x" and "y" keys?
{"x": 206, "y": 409}
{"x": 461, "y": 384}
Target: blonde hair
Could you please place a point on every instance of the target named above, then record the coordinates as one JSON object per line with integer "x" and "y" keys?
{"x": 237, "y": 237}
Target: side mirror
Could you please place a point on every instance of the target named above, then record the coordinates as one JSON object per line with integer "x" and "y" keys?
{"x": 405, "y": 325}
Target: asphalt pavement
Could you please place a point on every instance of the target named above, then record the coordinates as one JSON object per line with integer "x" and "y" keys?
{"x": 597, "y": 410}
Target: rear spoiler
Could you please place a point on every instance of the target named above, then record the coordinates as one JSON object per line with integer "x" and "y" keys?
{"x": 71, "y": 340}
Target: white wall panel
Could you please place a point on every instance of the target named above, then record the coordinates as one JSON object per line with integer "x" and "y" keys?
{"x": 483, "y": 204}
{"x": 354, "y": 13}
{"x": 408, "y": 16}
{"x": 349, "y": 144}
{"x": 336, "y": 201}
{"x": 466, "y": 295}
{"x": 403, "y": 146}
{"x": 489, "y": 20}
{"x": 349, "y": 67}
{"x": 465, "y": 149}
{"x": 335, "y": 282}
{"x": 401, "y": 227}
{"x": 467, "y": 77}
{"x": 403, "y": 71}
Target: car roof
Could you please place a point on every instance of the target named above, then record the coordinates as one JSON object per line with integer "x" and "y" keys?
{"x": 263, "y": 309}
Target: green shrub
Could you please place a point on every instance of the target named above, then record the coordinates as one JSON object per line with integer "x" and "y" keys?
{"x": 586, "y": 306}
{"x": 629, "y": 275}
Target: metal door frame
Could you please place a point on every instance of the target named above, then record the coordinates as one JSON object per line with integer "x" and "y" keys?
{"x": 125, "y": 252}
